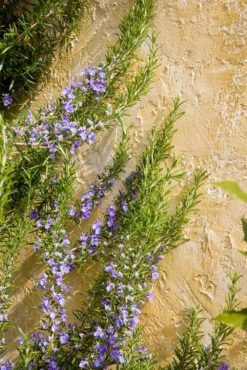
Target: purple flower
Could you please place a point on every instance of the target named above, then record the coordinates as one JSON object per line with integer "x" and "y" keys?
{"x": 224, "y": 366}
{"x": 110, "y": 330}
{"x": 55, "y": 326}
{"x": 98, "y": 362}
{"x": 141, "y": 350}
{"x": 7, "y": 366}
{"x": 111, "y": 211}
{"x": 106, "y": 304}
{"x": 96, "y": 227}
{"x": 99, "y": 333}
{"x": 72, "y": 211}
{"x": 86, "y": 210}
{"x": 119, "y": 322}
{"x": 111, "y": 217}
{"x": 94, "y": 241}
{"x": 46, "y": 304}
{"x": 111, "y": 339}
{"x": 124, "y": 206}
{"x": 68, "y": 107}
{"x": 83, "y": 363}
{"x": 52, "y": 314}
{"x": 63, "y": 316}
{"x": 112, "y": 223}
{"x": 3, "y": 318}
{"x": 64, "y": 338}
{"x": 59, "y": 298}
{"x": 48, "y": 223}
{"x": 39, "y": 224}
{"x": 117, "y": 354}
{"x": 123, "y": 312}
{"x": 82, "y": 133}
{"x": 36, "y": 337}
{"x": 149, "y": 295}
{"x": 52, "y": 365}
{"x": 66, "y": 241}
{"x": 36, "y": 247}
{"x": 42, "y": 282}
{"x": 103, "y": 349}
{"x": 7, "y": 99}
{"x": 91, "y": 137}
{"x": 110, "y": 269}
{"x": 68, "y": 93}
{"x": 72, "y": 127}
{"x": 110, "y": 286}
{"x": 21, "y": 341}
{"x": 133, "y": 322}
{"x": 34, "y": 215}
{"x": 155, "y": 273}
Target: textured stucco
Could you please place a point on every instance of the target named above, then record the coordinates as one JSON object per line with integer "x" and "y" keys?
{"x": 201, "y": 55}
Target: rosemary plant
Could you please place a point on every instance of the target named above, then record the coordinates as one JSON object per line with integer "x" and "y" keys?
{"x": 6, "y": 171}
{"x": 93, "y": 103}
{"x": 38, "y": 204}
{"x": 191, "y": 354}
{"x": 30, "y": 33}
{"x": 138, "y": 230}
{"x": 80, "y": 108}
{"x": 53, "y": 244}
{"x": 36, "y": 194}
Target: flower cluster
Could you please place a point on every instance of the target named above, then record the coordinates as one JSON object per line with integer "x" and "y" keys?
{"x": 92, "y": 198}
{"x": 122, "y": 297}
{"x": 7, "y": 99}
{"x": 58, "y": 258}
{"x": 7, "y": 366}
{"x": 66, "y": 122}
{"x": 3, "y": 299}
{"x": 136, "y": 246}
{"x": 5, "y": 285}
{"x": 63, "y": 119}
{"x": 224, "y": 366}
{"x": 111, "y": 219}
{"x": 88, "y": 244}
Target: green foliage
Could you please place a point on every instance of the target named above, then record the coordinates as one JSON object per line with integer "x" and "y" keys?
{"x": 133, "y": 31}
{"x": 213, "y": 354}
{"x": 136, "y": 356}
{"x": 233, "y": 188}
{"x": 121, "y": 156}
{"x": 190, "y": 354}
{"x": 139, "y": 85}
{"x": 244, "y": 227}
{"x": 234, "y": 318}
{"x": 188, "y": 351}
{"x": 30, "y": 38}
{"x": 6, "y": 171}
{"x": 146, "y": 232}
{"x": 238, "y": 319}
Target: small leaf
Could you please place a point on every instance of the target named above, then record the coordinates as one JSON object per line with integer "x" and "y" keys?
{"x": 1, "y": 63}
{"x": 232, "y": 187}
{"x": 238, "y": 319}
{"x": 244, "y": 253}
{"x": 244, "y": 226}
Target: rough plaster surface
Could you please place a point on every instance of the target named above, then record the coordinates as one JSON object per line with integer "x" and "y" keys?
{"x": 202, "y": 51}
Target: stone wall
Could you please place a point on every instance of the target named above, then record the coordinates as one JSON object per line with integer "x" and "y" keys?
{"x": 201, "y": 55}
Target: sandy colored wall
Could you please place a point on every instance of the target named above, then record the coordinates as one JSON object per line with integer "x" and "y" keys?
{"x": 202, "y": 50}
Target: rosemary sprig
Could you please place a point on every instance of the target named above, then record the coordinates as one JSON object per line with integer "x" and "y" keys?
{"x": 28, "y": 40}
